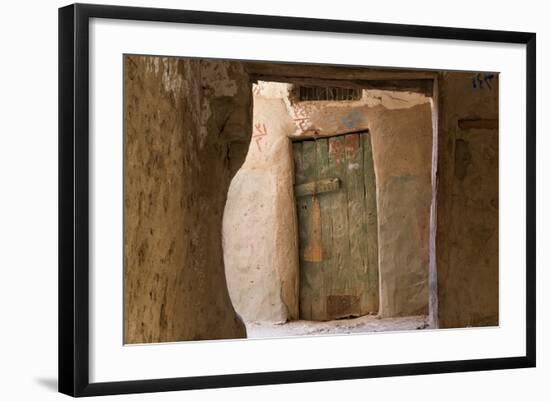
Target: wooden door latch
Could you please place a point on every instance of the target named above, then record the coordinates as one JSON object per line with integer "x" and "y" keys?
{"x": 317, "y": 187}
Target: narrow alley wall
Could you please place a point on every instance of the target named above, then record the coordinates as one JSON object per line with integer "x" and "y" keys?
{"x": 467, "y": 224}
{"x": 187, "y": 126}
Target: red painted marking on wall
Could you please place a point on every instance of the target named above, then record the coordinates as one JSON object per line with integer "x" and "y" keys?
{"x": 301, "y": 117}
{"x": 302, "y": 123}
{"x": 258, "y": 133}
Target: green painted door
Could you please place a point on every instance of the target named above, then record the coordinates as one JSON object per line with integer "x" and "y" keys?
{"x": 335, "y": 190}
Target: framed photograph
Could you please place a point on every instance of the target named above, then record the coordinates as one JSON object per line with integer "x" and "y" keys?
{"x": 251, "y": 199}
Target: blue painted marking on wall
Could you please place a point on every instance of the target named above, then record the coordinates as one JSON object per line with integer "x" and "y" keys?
{"x": 352, "y": 119}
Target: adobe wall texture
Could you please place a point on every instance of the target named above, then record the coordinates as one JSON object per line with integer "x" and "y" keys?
{"x": 259, "y": 227}
{"x": 467, "y": 225}
{"x": 187, "y": 128}
{"x": 261, "y": 253}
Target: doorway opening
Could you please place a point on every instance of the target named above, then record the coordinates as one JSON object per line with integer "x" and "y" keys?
{"x": 335, "y": 191}
{"x": 327, "y": 225}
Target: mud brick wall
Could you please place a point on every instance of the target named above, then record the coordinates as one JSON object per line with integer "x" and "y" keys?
{"x": 187, "y": 126}
{"x": 467, "y": 210}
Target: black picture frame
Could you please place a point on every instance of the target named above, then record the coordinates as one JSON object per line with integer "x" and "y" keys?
{"x": 74, "y": 195}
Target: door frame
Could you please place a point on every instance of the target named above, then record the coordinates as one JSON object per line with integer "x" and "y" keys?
{"x": 368, "y": 78}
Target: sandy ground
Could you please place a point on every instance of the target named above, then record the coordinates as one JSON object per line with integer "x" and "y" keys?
{"x": 363, "y": 324}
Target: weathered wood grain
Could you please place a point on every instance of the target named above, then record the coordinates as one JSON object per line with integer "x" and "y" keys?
{"x": 357, "y": 232}
{"x": 342, "y": 282}
{"x": 301, "y": 207}
{"x": 326, "y": 217}
{"x": 312, "y": 253}
{"x": 326, "y": 267}
{"x": 339, "y": 268}
{"x": 317, "y": 187}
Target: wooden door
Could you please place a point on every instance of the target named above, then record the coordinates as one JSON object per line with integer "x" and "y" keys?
{"x": 335, "y": 192}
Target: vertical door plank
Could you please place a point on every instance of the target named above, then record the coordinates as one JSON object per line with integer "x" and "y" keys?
{"x": 323, "y": 171}
{"x": 298, "y": 168}
{"x": 312, "y": 251}
{"x": 340, "y": 279}
{"x": 311, "y": 274}
{"x": 301, "y": 208}
{"x": 326, "y": 200}
{"x": 357, "y": 232}
{"x": 371, "y": 222}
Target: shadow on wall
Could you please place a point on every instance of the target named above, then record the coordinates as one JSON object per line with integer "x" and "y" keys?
{"x": 176, "y": 176}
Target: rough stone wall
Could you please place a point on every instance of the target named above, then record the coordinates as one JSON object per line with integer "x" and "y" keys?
{"x": 187, "y": 128}
{"x": 401, "y": 129}
{"x": 467, "y": 225}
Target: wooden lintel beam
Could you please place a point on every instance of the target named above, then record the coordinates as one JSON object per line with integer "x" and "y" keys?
{"x": 277, "y": 71}
{"x": 316, "y": 134}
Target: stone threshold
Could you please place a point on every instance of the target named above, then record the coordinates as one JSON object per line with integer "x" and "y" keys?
{"x": 363, "y": 324}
